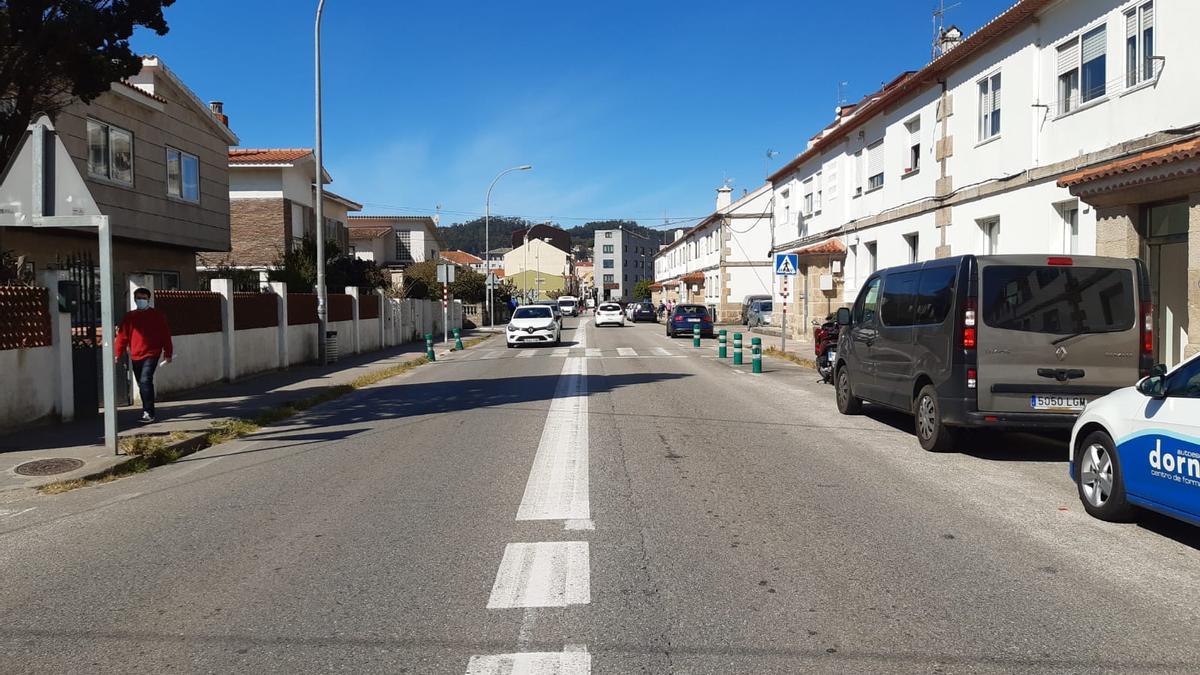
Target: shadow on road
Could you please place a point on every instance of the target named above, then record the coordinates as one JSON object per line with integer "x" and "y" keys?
{"x": 987, "y": 444}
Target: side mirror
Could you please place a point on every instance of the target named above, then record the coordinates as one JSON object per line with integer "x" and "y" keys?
{"x": 1159, "y": 370}
{"x": 843, "y": 316}
{"x": 1153, "y": 387}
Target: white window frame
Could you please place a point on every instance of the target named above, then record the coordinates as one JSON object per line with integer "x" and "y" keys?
{"x": 178, "y": 189}
{"x": 913, "y": 127}
{"x": 108, "y": 173}
{"x": 990, "y": 120}
{"x": 912, "y": 241}
{"x": 817, "y": 198}
{"x": 860, "y": 173}
{"x": 989, "y": 229}
{"x": 1069, "y": 85}
{"x": 1139, "y": 44}
{"x": 876, "y": 179}
{"x": 1068, "y": 213}
{"x": 808, "y": 197}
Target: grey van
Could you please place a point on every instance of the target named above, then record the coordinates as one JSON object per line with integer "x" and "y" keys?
{"x": 1002, "y": 342}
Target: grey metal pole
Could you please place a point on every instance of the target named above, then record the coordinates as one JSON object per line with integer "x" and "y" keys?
{"x": 108, "y": 335}
{"x": 322, "y": 309}
{"x": 487, "y": 218}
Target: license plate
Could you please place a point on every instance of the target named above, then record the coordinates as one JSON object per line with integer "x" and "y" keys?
{"x": 1059, "y": 403}
{"x": 832, "y": 356}
{"x": 693, "y": 320}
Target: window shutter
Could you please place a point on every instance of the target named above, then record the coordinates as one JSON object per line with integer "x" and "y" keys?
{"x": 1068, "y": 57}
{"x": 996, "y": 91}
{"x": 914, "y": 132}
{"x": 1131, "y": 24}
{"x": 859, "y": 175}
{"x": 1094, "y": 44}
{"x": 1147, "y": 15}
{"x": 831, "y": 180}
{"x": 875, "y": 159}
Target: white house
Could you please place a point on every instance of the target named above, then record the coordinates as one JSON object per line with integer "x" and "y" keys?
{"x": 724, "y": 258}
{"x": 395, "y": 241}
{"x": 967, "y": 154}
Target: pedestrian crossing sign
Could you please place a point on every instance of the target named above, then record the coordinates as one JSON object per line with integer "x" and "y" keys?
{"x": 786, "y": 264}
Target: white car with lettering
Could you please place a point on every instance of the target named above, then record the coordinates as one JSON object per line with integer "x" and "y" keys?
{"x": 533, "y": 324}
{"x": 1140, "y": 447}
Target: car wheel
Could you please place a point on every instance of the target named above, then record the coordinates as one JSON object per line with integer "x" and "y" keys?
{"x": 847, "y": 402}
{"x": 932, "y": 434}
{"x": 1099, "y": 479}
{"x": 511, "y": 345}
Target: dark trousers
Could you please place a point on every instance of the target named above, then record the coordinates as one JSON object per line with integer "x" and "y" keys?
{"x": 143, "y": 370}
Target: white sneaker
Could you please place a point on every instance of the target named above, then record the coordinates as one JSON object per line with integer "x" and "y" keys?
{"x": 147, "y": 418}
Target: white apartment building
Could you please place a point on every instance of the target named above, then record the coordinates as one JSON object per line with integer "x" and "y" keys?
{"x": 724, "y": 258}
{"x": 967, "y": 154}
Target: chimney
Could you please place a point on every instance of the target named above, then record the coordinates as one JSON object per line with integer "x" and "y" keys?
{"x": 724, "y": 196}
{"x": 678, "y": 235}
{"x": 949, "y": 39}
{"x": 218, "y": 111}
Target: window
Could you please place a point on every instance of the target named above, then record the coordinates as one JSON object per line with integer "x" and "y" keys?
{"x": 912, "y": 241}
{"x": 607, "y": 264}
{"x": 859, "y": 173}
{"x": 164, "y": 281}
{"x": 990, "y": 229}
{"x": 1058, "y": 300}
{"x": 808, "y": 197}
{"x": 1069, "y": 211}
{"x": 404, "y": 246}
{"x": 626, "y": 277}
{"x": 867, "y": 305}
{"x": 817, "y": 194}
{"x": 875, "y": 165}
{"x": 183, "y": 175}
{"x": 931, "y": 305}
{"x": 897, "y": 306}
{"x": 1139, "y": 58}
{"x": 989, "y": 107}
{"x": 914, "y": 145}
{"x": 110, "y": 152}
{"x": 872, "y": 259}
{"x": 608, "y": 278}
{"x": 608, "y": 248}
{"x": 1082, "y": 69}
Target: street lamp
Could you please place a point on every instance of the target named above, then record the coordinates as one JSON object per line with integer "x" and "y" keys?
{"x": 487, "y": 239}
{"x": 322, "y": 310}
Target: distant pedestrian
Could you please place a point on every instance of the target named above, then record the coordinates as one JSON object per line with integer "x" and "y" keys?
{"x": 146, "y": 333}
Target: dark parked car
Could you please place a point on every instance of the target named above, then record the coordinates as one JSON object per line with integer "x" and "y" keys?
{"x": 1002, "y": 342}
{"x": 685, "y": 317}
{"x": 644, "y": 311}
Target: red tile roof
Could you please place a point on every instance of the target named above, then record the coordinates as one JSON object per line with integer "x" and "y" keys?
{"x": 1176, "y": 152}
{"x": 143, "y": 92}
{"x": 693, "y": 278}
{"x": 584, "y": 264}
{"x": 461, "y": 257}
{"x": 368, "y": 231}
{"x": 829, "y": 247}
{"x": 267, "y": 155}
{"x": 898, "y": 90}
{"x": 499, "y": 272}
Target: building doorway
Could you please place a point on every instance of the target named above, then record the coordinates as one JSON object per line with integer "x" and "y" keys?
{"x": 1167, "y": 241}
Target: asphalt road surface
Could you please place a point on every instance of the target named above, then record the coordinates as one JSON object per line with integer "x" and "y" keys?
{"x": 623, "y": 504}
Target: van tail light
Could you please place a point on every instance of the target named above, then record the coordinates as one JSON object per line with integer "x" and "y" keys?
{"x": 971, "y": 379}
{"x": 1146, "y": 360}
{"x": 1059, "y": 260}
{"x": 968, "y": 327}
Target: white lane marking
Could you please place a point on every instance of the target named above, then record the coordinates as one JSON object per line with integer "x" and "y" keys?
{"x": 662, "y": 351}
{"x": 569, "y": 662}
{"x": 579, "y": 525}
{"x": 491, "y": 354}
{"x": 581, "y": 333}
{"x": 626, "y": 351}
{"x": 561, "y": 351}
{"x": 13, "y": 513}
{"x": 558, "y": 482}
{"x": 525, "y": 354}
{"x": 592, "y": 351}
{"x": 543, "y": 574}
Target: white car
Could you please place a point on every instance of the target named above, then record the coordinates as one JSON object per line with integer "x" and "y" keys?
{"x": 1140, "y": 447}
{"x": 609, "y": 314}
{"x": 533, "y": 324}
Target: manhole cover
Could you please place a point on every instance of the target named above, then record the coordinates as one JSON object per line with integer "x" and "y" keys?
{"x": 48, "y": 467}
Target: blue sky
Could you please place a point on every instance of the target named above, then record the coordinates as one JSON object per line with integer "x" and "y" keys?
{"x": 626, "y": 109}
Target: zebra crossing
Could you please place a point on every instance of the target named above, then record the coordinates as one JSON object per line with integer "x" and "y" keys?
{"x": 577, "y": 352}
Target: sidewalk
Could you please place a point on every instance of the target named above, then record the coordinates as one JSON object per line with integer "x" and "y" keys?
{"x": 190, "y": 412}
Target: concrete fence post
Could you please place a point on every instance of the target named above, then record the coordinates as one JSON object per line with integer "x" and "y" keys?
{"x": 60, "y": 338}
{"x": 383, "y": 312}
{"x": 279, "y": 288}
{"x": 224, "y": 287}
{"x": 352, "y": 291}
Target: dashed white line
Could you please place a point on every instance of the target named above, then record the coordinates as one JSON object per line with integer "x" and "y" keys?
{"x": 568, "y": 662}
{"x": 592, "y": 351}
{"x": 626, "y": 351}
{"x": 525, "y": 354}
{"x": 561, "y": 351}
{"x": 491, "y": 354}
{"x": 557, "y": 488}
{"x": 543, "y": 574}
{"x": 662, "y": 351}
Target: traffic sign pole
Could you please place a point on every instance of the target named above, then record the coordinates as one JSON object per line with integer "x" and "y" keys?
{"x": 786, "y": 265}
{"x": 783, "y": 322}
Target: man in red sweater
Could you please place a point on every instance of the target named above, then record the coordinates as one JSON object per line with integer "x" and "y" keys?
{"x": 146, "y": 333}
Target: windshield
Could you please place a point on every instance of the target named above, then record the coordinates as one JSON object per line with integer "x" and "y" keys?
{"x": 610, "y": 308}
{"x": 691, "y": 310}
{"x": 764, "y": 306}
{"x": 1058, "y": 300}
{"x": 532, "y": 313}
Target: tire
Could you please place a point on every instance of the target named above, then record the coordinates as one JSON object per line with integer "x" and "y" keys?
{"x": 1097, "y": 456}
{"x": 927, "y": 414}
{"x": 511, "y": 345}
{"x": 847, "y": 402}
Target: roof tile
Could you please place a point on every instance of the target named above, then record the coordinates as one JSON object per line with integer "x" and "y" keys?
{"x": 1176, "y": 152}
{"x": 267, "y": 155}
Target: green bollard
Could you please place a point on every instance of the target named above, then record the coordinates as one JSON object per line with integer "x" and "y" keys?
{"x": 721, "y": 353}
{"x": 429, "y": 347}
{"x": 696, "y": 336}
{"x": 756, "y": 350}
{"x": 737, "y": 349}
{"x": 457, "y": 340}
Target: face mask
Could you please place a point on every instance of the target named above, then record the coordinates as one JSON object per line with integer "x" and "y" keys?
{"x": 141, "y": 303}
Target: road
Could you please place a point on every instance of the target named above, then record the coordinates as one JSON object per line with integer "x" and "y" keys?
{"x": 625, "y": 504}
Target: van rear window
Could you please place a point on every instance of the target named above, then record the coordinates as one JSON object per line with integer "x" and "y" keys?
{"x": 1060, "y": 300}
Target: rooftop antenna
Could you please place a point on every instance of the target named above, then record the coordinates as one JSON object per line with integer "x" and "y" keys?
{"x": 841, "y": 93}
{"x": 939, "y": 25}
{"x": 767, "y": 161}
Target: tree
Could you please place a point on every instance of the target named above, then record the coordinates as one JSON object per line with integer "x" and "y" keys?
{"x": 641, "y": 290}
{"x": 468, "y": 285}
{"x": 298, "y": 268}
{"x": 55, "y": 51}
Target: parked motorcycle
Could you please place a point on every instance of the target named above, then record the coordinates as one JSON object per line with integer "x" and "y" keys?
{"x": 825, "y": 338}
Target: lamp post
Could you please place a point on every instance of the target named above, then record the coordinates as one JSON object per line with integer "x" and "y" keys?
{"x": 487, "y": 239}
{"x": 322, "y": 309}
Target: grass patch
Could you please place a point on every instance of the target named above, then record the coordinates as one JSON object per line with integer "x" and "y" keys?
{"x": 147, "y": 452}
{"x": 788, "y": 356}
